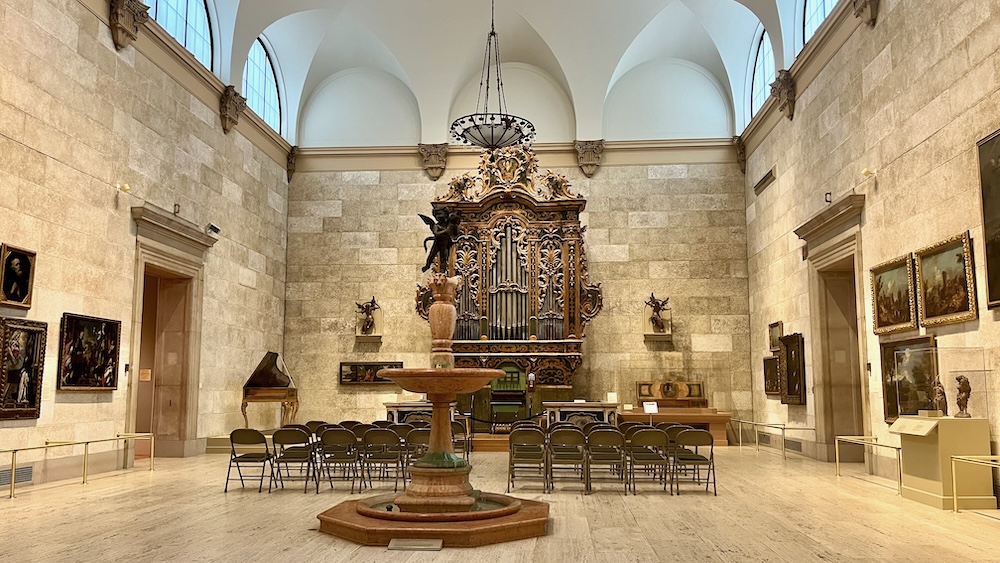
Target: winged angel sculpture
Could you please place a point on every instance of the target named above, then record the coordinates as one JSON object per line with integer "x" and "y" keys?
{"x": 444, "y": 231}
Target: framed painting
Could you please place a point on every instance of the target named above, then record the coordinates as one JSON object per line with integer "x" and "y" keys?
{"x": 908, "y": 374}
{"x": 793, "y": 364}
{"x": 17, "y": 276}
{"x": 365, "y": 372}
{"x": 894, "y": 305}
{"x": 23, "y": 344}
{"x": 88, "y": 353}
{"x": 946, "y": 285}
{"x": 772, "y": 376}
{"x": 989, "y": 178}
{"x": 774, "y": 332}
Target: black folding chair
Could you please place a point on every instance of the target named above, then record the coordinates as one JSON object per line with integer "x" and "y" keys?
{"x": 293, "y": 447}
{"x": 248, "y": 438}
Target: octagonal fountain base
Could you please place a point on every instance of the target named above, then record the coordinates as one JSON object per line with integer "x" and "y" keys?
{"x": 494, "y": 519}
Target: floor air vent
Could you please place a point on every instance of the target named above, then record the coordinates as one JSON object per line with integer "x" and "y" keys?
{"x": 22, "y": 475}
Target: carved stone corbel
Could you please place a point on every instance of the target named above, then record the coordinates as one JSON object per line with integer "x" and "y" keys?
{"x": 783, "y": 89}
{"x": 231, "y": 107}
{"x": 290, "y": 163}
{"x": 741, "y": 153}
{"x": 588, "y": 154}
{"x": 867, "y": 10}
{"x": 435, "y": 158}
{"x": 126, "y": 16}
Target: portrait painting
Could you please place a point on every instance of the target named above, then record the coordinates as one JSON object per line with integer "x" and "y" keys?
{"x": 16, "y": 276}
{"x": 909, "y": 369}
{"x": 88, "y": 353}
{"x": 772, "y": 376}
{"x": 365, "y": 372}
{"x": 989, "y": 178}
{"x": 793, "y": 364}
{"x": 893, "y": 300}
{"x": 23, "y": 352}
{"x": 946, "y": 286}
{"x": 774, "y": 332}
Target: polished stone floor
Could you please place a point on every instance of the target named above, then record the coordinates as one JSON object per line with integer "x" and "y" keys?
{"x": 767, "y": 510}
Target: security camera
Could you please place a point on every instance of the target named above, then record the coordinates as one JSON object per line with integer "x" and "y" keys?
{"x": 213, "y": 229}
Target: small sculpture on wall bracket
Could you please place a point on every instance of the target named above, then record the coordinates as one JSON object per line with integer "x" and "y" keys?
{"x": 444, "y": 230}
{"x": 369, "y": 321}
{"x": 658, "y": 322}
{"x": 964, "y": 391}
{"x": 939, "y": 399}
{"x": 367, "y": 311}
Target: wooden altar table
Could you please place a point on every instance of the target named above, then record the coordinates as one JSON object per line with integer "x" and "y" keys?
{"x": 708, "y": 418}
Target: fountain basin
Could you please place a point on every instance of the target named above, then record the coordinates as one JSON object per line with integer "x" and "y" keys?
{"x": 441, "y": 381}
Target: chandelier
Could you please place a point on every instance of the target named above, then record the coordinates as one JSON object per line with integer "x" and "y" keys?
{"x": 485, "y": 128}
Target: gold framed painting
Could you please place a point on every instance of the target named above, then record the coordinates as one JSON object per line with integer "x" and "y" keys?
{"x": 894, "y": 305}
{"x": 946, "y": 284}
{"x": 774, "y": 332}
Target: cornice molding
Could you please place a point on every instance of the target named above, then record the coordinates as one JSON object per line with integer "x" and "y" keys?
{"x": 847, "y": 209}
{"x": 551, "y": 155}
{"x": 158, "y": 224}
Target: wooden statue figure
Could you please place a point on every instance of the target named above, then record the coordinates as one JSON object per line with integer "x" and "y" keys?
{"x": 964, "y": 390}
{"x": 939, "y": 400}
{"x": 368, "y": 310}
{"x": 658, "y": 306}
{"x": 444, "y": 230}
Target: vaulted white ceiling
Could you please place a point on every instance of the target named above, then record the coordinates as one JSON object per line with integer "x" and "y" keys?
{"x": 397, "y": 72}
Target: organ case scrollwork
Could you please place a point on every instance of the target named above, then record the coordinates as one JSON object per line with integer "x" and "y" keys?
{"x": 527, "y": 298}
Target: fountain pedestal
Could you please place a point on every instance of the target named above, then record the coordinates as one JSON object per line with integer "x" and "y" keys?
{"x": 439, "y": 503}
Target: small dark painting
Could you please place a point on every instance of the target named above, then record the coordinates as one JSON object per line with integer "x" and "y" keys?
{"x": 793, "y": 362}
{"x": 772, "y": 376}
{"x": 17, "y": 276}
{"x": 88, "y": 353}
{"x": 989, "y": 176}
{"x": 365, "y": 372}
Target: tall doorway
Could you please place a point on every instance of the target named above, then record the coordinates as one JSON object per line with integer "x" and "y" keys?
{"x": 162, "y": 382}
{"x": 843, "y": 407}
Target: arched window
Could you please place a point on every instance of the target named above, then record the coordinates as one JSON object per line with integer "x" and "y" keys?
{"x": 187, "y": 22}
{"x": 815, "y": 13}
{"x": 763, "y": 74}
{"x": 260, "y": 85}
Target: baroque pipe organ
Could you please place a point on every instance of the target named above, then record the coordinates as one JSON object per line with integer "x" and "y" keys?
{"x": 526, "y": 299}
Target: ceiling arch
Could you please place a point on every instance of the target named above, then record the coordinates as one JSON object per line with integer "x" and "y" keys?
{"x": 578, "y": 52}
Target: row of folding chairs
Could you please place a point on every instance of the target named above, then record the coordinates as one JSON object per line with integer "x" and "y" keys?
{"x": 339, "y": 452}
{"x": 600, "y": 450}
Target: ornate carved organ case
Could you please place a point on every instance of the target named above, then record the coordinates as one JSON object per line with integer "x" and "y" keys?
{"x": 526, "y": 298}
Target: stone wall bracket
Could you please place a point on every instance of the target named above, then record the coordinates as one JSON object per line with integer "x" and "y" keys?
{"x": 588, "y": 154}
{"x": 126, "y": 17}
{"x": 867, "y": 10}
{"x": 231, "y": 107}
{"x": 293, "y": 154}
{"x": 783, "y": 90}
{"x": 434, "y": 159}
{"x": 741, "y": 153}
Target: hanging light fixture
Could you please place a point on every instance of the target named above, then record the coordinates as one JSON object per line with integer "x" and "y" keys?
{"x": 486, "y": 129}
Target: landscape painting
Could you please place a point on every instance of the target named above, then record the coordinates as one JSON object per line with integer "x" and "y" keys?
{"x": 946, "y": 285}
{"x": 909, "y": 369}
{"x": 893, "y": 298}
{"x": 365, "y": 372}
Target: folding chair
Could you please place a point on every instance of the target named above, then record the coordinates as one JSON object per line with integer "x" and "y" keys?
{"x": 567, "y": 452}
{"x": 382, "y": 423}
{"x": 647, "y": 450}
{"x": 417, "y": 441}
{"x": 339, "y": 450}
{"x": 293, "y": 447}
{"x": 380, "y": 449}
{"x": 527, "y": 452}
{"x": 314, "y": 425}
{"x": 460, "y": 439}
{"x": 248, "y": 437}
{"x": 690, "y": 456}
{"x": 606, "y": 448}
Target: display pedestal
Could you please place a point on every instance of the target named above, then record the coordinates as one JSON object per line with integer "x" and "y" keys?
{"x": 927, "y": 446}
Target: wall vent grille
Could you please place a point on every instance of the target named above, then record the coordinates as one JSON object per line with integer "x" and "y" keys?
{"x": 21, "y": 475}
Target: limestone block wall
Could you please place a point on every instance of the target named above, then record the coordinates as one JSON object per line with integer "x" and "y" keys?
{"x": 676, "y": 230}
{"x": 910, "y": 99}
{"x": 77, "y": 118}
